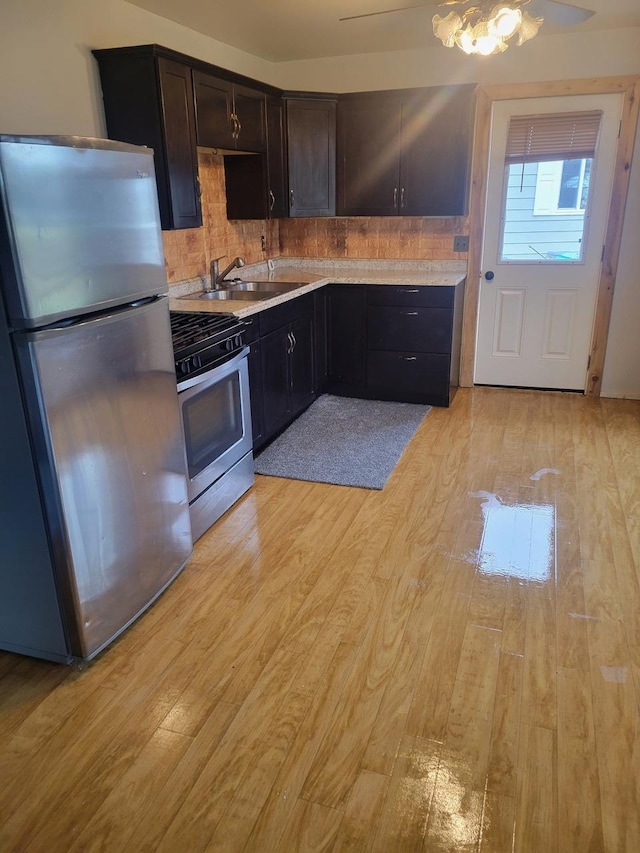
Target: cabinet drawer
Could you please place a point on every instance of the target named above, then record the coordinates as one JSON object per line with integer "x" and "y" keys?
{"x": 392, "y": 294}
{"x": 282, "y": 315}
{"x": 409, "y": 377}
{"x": 409, "y": 329}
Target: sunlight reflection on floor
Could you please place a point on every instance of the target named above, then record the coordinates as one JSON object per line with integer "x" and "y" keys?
{"x": 517, "y": 539}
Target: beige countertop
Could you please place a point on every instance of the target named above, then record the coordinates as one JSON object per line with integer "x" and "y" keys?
{"x": 313, "y": 274}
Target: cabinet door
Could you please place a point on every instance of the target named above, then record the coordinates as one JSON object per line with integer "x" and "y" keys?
{"x": 214, "y": 106}
{"x": 320, "y": 338}
{"x": 180, "y": 145}
{"x": 256, "y": 394}
{"x": 276, "y": 160}
{"x": 369, "y": 155}
{"x": 249, "y": 106}
{"x": 275, "y": 380}
{"x": 302, "y": 364}
{"x": 346, "y": 338}
{"x": 436, "y": 149}
{"x": 311, "y": 144}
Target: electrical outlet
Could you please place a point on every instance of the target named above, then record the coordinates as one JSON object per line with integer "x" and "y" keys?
{"x": 461, "y": 244}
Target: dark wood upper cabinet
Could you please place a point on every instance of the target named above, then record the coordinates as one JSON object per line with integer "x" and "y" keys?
{"x": 368, "y": 168}
{"x": 405, "y": 152}
{"x": 148, "y": 100}
{"x": 437, "y": 126}
{"x": 229, "y": 115}
{"x": 214, "y": 108}
{"x": 250, "y": 112}
{"x": 311, "y": 156}
{"x": 256, "y": 184}
{"x": 276, "y": 159}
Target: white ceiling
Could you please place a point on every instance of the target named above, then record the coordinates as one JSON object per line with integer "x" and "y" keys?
{"x": 282, "y": 30}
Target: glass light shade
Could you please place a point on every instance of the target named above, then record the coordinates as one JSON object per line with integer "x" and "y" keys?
{"x": 529, "y": 27}
{"x": 447, "y": 28}
{"x": 504, "y": 21}
{"x": 476, "y": 39}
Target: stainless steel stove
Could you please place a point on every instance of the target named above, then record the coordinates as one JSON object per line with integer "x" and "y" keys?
{"x": 213, "y": 392}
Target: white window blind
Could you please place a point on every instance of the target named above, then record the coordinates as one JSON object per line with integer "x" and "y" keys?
{"x": 553, "y": 136}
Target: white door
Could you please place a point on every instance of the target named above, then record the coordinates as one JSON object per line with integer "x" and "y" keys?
{"x": 544, "y": 230}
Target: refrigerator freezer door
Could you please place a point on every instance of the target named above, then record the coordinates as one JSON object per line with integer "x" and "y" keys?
{"x": 80, "y": 230}
{"x": 111, "y": 464}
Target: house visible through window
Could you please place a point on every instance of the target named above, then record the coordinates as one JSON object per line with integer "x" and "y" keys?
{"x": 562, "y": 187}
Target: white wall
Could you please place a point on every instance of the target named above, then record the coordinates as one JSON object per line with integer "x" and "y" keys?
{"x": 48, "y": 77}
{"x": 621, "y": 376}
{"x": 49, "y": 84}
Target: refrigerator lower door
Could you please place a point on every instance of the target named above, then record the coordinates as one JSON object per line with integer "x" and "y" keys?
{"x": 111, "y": 461}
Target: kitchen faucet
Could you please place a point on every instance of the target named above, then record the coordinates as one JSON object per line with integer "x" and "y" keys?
{"x": 217, "y": 277}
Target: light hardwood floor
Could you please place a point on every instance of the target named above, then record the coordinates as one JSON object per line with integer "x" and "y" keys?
{"x": 451, "y": 664}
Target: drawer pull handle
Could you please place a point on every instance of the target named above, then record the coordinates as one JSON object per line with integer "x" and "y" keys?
{"x": 410, "y": 290}
{"x": 410, "y": 313}
{"x": 409, "y": 358}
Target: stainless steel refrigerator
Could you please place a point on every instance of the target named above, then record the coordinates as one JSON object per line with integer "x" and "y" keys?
{"x": 94, "y": 515}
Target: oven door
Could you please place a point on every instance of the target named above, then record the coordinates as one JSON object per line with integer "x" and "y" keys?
{"x": 216, "y": 418}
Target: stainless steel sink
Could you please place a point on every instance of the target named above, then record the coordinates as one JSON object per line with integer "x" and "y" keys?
{"x": 263, "y": 286}
{"x": 236, "y": 296}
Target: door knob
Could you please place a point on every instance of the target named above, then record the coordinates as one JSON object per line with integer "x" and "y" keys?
{"x": 489, "y": 275}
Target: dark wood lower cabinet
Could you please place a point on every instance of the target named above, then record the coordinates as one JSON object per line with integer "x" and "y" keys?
{"x": 390, "y": 342}
{"x": 256, "y": 394}
{"x": 282, "y": 366}
{"x": 301, "y": 364}
{"x": 381, "y": 342}
{"x": 346, "y": 339}
{"x": 276, "y": 394}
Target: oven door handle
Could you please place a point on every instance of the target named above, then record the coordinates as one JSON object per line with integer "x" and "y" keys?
{"x": 216, "y": 373}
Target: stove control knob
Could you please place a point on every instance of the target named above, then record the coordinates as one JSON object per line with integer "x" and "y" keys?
{"x": 183, "y": 367}
{"x": 196, "y": 362}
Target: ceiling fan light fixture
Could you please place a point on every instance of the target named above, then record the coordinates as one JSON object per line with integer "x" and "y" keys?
{"x": 486, "y": 28}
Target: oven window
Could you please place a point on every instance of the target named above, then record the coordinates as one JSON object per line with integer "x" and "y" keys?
{"x": 212, "y": 423}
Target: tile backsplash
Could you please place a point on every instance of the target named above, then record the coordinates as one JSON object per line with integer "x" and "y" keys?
{"x": 188, "y": 252}
{"x": 385, "y": 237}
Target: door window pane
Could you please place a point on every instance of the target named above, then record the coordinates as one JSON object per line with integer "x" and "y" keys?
{"x": 544, "y": 211}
